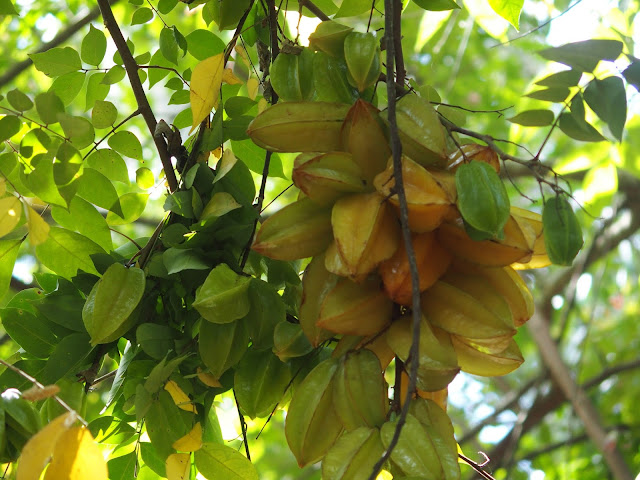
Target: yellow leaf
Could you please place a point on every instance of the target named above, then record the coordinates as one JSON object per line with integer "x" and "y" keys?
{"x": 230, "y": 78}
{"x": 191, "y": 442}
{"x": 252, "y": 87}
{"x": 38, "y": 450}
{"x": 38, "y": 228}
{"x": 206, "y": 80}
{"x": 178, "y": 466}
{"x": 208, "y": 379}
{"x": 77, "y": 457}
{"x": 10, "y": 213}
{"x": 180, "y": 398}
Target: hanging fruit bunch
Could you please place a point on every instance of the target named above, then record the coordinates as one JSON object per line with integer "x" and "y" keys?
{"x": 468, "y": 244}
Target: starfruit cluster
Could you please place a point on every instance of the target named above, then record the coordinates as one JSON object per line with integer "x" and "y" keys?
{"x": 468, "y": 243}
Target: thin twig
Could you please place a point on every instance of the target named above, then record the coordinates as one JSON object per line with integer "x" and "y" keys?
{"x": 28, "y": 377}
{"x": 243, "y": 426}
{"x": 131, "y": 66}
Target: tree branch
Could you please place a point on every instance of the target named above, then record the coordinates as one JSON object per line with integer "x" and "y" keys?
{"x": 314, "y": 9}
{"x": 131, "y": 67}
{"x": 539, "y": 329}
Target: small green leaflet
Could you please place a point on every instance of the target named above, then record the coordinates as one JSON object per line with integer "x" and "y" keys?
{"x": 127, "y": 144}
{"x": 436, "y": 5}
{"x": 94, "y": 46}
{"x": 57, "y": 61}
{"x": 533, "y": 118}
{"x": 171, "y": 42}
{"x": 584, "y": 56}
{"x": 19, "y": 100}
{"x": 9, "y": 126}
{"x": 65, "y": 252}
{"x": 141, "y": 15}
{"x": 214, "y": 460}
{"x": 608, "y": 99}
{"x": 509, "y": 10}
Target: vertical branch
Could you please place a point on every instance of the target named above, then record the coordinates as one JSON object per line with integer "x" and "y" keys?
{"x": 131, "y": 67}
{"x": 397, "y": 43}
{"x": 275, "y": 50}
{"x": 392, "y": 38}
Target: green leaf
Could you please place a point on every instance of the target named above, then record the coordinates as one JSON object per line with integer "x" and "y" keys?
{"x": 65, "y": 252}
{"x": 176, "y": 260}
{"x": 49, "y": 107}
{"x": 142, "y": 15}
{"x": 165, "y": 6}
{"x": 66, "y": 164}
{"x": 351, "y": 8}
{"x": 124, "y": 467}
{"x": 578, "y": 129}
{"x": 584, "y": 56}
{"x": 567, "y": 78}
{"x": 219, "y": 204}
{"x": 267, "y": 310}
{"x": 94, "y": 46}
{"x": 214, "y": 460}
{"x": 180, "y": 97}
{"x": 7, "y": 8}
{"x": 155, "y": 340}
{"x": 96, "y": 90}
{"x": 8, "y": 254}
{"x": 132, "y": 205}
{"x": 19, "y": 100}
{"x": 57, "y": 61}
{"x": 552, "y": 94}
{"x": 533, "y": 118}
{"x": 253, "y": 157}
{"x": 144, "y": 178}
{"x": 236, "y": 106}
{"x": 127, "y": 144}
{"x": 631, "y": 73}
{"x": 68, "y": 86}
{"x": 608, "y": 99}
{"x": 260, "y": 382}
{"x": 29, "y": 331}
{"x": 104, "y": 114}
{"x": 41, "y": 180}
{"x": 110, "y": 164}
{"x": 66, "y": 357}
{"x": 222, "y": 345}
{"x": 129, "y": 353}
{"x": 166, "y": 423}
{"x": 114, "y": 75}
{"x": 78, "y": 129}
{"x": 223, "y": 298}
{"x": 436, "y": 5}
{"x": 204, "y": 44}
{"x": 482, "y": 198}
{"x": 171, "y": 43}
{"x": 509, "y": 10}
{"x": 9, "y": 126}
{"x": 97, "y": 189}
{"x": 562, "y": 231}
{"x": 152, "y": 459}
{"x": 63, "y": 306}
